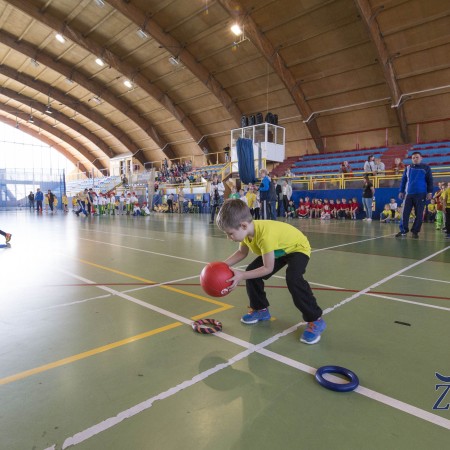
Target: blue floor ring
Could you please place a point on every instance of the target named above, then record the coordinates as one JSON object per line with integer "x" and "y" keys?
{"x": 347, "y": 387}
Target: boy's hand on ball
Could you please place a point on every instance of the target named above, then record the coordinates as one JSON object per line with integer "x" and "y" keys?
{"x": 235, "y": 280}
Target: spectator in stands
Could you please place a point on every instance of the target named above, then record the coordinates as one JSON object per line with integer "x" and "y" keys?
{"x": 288, "y": 173}
{"x": 416, "y": 187}
{"x": 31, "y": 200}
{"x": 398, "y": 166}
{"x": 380, "y": 168}
{"x": 186, "y": 182}
{"x": 216, "y": 192}
{"x": 369, "y": 166}
{"x": 367, "y": 197}
{"x": 346, "y": 169}
{"x": 226, "y": 151}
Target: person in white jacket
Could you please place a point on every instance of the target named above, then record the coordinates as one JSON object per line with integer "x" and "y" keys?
{"x": 287, "y": 194}
{"x": 216, "y": 193}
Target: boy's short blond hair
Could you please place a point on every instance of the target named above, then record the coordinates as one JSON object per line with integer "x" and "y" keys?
{"x": 232, "y": 213}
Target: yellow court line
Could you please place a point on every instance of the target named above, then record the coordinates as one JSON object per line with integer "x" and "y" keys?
{"x": 87, "y": 354}
{"x": 169, "y": 288}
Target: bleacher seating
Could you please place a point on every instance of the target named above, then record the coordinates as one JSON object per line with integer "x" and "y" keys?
{"x": 435, "y": 153}
{"x": 331, "y": 162}
{"x": 103, "y": 184}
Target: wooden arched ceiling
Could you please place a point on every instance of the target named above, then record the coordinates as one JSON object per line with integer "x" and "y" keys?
{"x": 326, "y": 67}
{"x": 29, "y": 129}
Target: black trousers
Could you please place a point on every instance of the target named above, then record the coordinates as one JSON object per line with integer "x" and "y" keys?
{"x": 299, "y": 288}
{"x": 416, "y": 201}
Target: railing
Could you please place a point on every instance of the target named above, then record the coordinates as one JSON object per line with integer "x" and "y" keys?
{"x": 355, "y": 179}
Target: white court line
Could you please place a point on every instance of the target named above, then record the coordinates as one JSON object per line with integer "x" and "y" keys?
{"x": 350, "y": 243}
{"x": 426, "y": 279}
{"x": 409, "y": 301}
{"x": 136, "y": 409}
{"x": 206, "y": 262}
{"x": 145, "y": 251}
{"x": 122, "y": 234}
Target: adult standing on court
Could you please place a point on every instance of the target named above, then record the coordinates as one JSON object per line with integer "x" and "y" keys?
{"x": 287, "y": 194}
{"x": 51, "y": 199}
{"x": 367, "y": 197}
{"x": 39, "y": 197}
{"x": 416, "y": 187}
{"x": 31, "y": 200}
{"x": 216, "y": 192}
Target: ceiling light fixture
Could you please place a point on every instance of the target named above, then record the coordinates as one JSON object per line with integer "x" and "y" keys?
{"x": 31, "y": 120}
{"x": 69, "y": 81}
{"x": 142, "y": 34}
{"x": 128, "y": 84}
{"x": 100, "y": 62}
{"x": 97, "y": 100}
{"x": 174, "y": 61}
{"x": 100, "y": 3}
{"x": 34, "y": 62}
{"x": 236, "y": 29}
{"x": 48, "y": 110}
{"x": 59, "y": 37}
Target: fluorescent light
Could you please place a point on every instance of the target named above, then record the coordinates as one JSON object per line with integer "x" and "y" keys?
{"x": 34, "y": 62}
{"x": 48, "y": 110}
{"x": 30, "y": 120}
{"x": 97, "y": 100}
{"x": 60, "y": 38}
{"x": 142, "y": 34}
{"x": 236, "y": 29}
{"x": 128, "y": 84}
{"x": 100, "y": 62}
{"x": 69, "y": 81}
{"x": 174, "y": 61}
{"x": 100, "y": 3}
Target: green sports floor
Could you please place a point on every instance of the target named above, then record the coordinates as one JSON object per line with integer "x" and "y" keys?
{"x": 98, "y": 353}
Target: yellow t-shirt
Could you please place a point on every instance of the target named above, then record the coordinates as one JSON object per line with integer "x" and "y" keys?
{"x": 278, "y": 237}
{"x": 431, "y": 207}
{"x": 251, "y": 199}
{"x": 446, "y": 198}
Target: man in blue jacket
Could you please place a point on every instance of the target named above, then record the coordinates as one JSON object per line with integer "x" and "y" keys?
{"x": 416, "y": 188}
{"x": 39, "y": 197}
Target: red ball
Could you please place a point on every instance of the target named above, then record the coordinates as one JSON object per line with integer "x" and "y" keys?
{"x": 213, "y": 279}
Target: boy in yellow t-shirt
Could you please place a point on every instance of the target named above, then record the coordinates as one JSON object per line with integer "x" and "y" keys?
{"x": 276, "y": 244}
{"x": 446, "y": 205}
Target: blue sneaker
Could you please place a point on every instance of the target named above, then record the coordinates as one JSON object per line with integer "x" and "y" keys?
{"x": 313, "y": 331}
{"x": 256, "y": 316}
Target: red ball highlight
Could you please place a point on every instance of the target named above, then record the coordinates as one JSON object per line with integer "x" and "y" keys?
{"x": 213, "y": 279}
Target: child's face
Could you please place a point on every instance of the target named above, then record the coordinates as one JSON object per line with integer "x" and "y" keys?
{"x": 237, "y": 234}
{"x": 392, "y": 200}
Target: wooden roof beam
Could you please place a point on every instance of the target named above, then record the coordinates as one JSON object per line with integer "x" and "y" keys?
{"x": 73, "y": 103}
{"x": 370, "y": 21}
{"x": 92, "y": 86}
{"x": 177, "y": 49}
{"x": 114, "y": 61}
{"x": 24, "y": 127}
{"x": 59, "y": 117}
{"x": 260, "y": 41}
{"x": 59, "y": 134}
